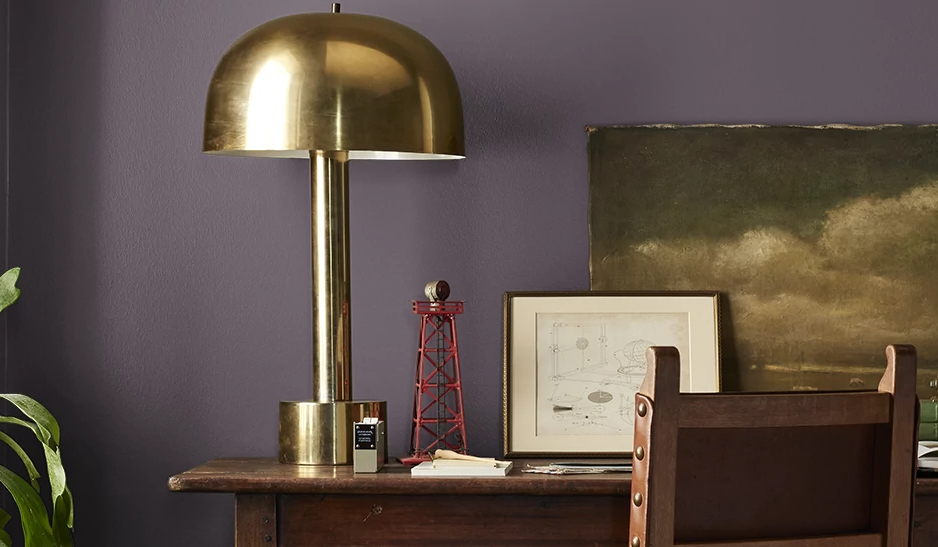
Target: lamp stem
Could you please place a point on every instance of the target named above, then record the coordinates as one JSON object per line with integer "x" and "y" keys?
{"x": 332, "y": 359}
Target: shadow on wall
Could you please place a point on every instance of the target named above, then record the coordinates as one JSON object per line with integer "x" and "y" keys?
{"x": 54, "y": 152}
{"x": 54, "y": 149}
{"x": 95, "y": 360}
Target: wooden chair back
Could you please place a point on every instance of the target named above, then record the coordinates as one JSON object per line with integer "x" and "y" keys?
{"x": 800, "y": 469}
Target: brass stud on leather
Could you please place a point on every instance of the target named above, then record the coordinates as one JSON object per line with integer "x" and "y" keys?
{"x": 639, "y": 453}
{"x": 637, "y": 499}
{"x": 636, "y": 542}
{"x": 642, "y": 409}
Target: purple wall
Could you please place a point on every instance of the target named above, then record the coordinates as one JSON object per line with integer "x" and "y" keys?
{"x": 165, "y": 305}
{"x": 5, "y": 457}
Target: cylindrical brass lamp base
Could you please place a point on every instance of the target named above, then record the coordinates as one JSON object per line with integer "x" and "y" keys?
{"x": 313, "y": 433}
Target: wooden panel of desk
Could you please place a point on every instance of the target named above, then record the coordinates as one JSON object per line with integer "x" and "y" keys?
{"x": 291, "y": 506}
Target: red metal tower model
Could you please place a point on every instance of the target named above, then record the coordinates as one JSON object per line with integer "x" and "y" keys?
{"x": 438, "y": 409}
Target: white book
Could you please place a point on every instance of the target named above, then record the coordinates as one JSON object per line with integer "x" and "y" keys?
{"x": 457, "y": 468}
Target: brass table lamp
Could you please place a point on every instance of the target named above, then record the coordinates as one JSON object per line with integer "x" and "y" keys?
{"x": 332, "y": 87}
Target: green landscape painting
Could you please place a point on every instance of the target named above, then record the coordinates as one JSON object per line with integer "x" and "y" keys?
{"x": 823, "y": 241}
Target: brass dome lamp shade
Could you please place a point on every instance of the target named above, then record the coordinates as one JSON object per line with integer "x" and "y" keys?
{"x": 332, "y": 87}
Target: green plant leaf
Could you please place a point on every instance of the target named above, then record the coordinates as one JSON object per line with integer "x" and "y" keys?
{"x": 24, "y": 423}
{"x": 71, "y": 507}
{"x": 30, "y": 468}
{"x": 46, "y": 430}
{"x": 5, "y": 540}
{"x": 61, "y": 498}
{"x": 8, "y": 291}
{"x": 33, "y": 515}
{"x": 62, "y": 521}
{"x": 38, "y": 414}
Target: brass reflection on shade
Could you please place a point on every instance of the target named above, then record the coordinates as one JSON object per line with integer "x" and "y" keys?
{"x": 330, "y": 82}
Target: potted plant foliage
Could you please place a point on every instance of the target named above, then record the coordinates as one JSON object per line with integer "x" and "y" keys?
{"x": 38, "y": 529}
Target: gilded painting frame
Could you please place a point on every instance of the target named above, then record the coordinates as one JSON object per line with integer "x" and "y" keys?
{"x": 570, "y": 377}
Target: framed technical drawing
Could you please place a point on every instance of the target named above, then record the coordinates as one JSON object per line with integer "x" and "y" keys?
{"x": 574, "y": 361}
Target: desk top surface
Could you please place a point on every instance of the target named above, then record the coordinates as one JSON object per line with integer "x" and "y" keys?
{"x": 266, "y": 475}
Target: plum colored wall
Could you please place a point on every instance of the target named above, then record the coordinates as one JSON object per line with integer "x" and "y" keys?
{"x": 5, "y": 499}
{"x": 165, "y": 306}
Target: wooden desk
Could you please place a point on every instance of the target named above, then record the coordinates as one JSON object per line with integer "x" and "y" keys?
{"x": 293, "y": 506}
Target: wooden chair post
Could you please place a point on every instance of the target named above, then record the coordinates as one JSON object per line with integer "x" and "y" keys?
{"x": 899, "y": 380}
{"x": 653, "y": 478}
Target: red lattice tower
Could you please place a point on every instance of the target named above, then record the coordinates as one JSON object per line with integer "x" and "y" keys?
{"x": 438, "y": 406}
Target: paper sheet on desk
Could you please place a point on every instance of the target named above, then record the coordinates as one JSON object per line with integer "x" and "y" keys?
{"x": 577, "y": 468}
{"x": 928, "y": 454}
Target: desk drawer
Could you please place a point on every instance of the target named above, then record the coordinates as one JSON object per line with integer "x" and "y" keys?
{"x": 393, "y": 520}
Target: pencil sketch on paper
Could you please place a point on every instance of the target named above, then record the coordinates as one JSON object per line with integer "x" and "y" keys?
{"x": 589, "y": 366}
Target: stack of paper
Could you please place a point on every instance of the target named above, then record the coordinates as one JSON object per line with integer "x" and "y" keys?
{"x": 578, "y": 468}
{"x": 928, "y": 455}
{"x": 461, "y": 468}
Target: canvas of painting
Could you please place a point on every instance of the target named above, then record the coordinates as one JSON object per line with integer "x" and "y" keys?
{"x": 823, "y": 241}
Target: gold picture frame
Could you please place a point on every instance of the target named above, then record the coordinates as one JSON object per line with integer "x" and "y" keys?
{"x": 574, "y": 360}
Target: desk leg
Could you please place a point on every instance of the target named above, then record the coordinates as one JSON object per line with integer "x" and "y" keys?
{"x": 255, "y": 520}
